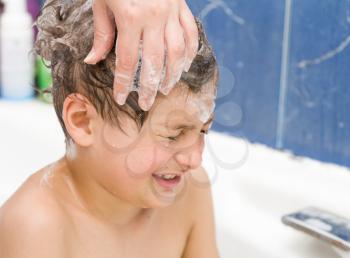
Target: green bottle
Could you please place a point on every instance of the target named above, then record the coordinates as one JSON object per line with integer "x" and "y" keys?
{"x": 43, "y": 80}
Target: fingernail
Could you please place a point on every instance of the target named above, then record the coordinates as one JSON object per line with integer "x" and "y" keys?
{"x": 143, "y": 104}
{"x": 90, "y": 59}
{"x": 165, "y": 90}
{"x": 187, "y": 65}
{"x": 171, "y": 83}
{"x": 121, "y": 98}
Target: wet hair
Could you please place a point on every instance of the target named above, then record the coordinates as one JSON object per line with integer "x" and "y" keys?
{"x": 65, "y": 38}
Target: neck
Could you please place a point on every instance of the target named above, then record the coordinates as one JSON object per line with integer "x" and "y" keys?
{"x": 88, "y": 194}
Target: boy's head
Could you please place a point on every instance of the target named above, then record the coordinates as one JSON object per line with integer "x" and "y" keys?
{"x": 124, "y": 147}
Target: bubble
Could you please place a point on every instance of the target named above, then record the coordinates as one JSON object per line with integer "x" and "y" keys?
{"x": 115, "y": 140}
{"x": 226, "y": 82}
{"x": 233, "y": 156}
{"x": 140, "y": 161}
{"x": 228, "y": 114}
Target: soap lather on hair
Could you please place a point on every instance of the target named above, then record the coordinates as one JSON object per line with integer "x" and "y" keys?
{"x": 66, "y": 37}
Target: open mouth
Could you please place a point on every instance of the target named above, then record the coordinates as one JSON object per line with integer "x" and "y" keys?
{"x": 167, "y": 180}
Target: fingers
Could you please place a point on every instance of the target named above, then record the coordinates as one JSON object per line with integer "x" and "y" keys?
{"x": 152, "y": 65}
{"x": 174, "y": 26}
{"x": 127, "y": 54}
{"x": 176, "y": 54}
{"x": 104, "y": 32}
{"x": 190, "y": 29}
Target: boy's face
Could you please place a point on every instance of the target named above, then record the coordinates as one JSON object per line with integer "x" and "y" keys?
{"x": 132, "y": 166}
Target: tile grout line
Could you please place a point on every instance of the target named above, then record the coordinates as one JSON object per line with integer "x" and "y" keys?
{"x": 284, "y": 75}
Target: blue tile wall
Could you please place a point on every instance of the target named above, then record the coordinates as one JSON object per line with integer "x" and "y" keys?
{"x": 317, "y": 120}
{"x": 248, "y": 37}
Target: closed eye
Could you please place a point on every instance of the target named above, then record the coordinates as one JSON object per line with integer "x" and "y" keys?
{"x": 175, "y": 137}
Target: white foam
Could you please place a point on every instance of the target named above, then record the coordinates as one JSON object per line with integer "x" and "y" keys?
{"x": 45, "y": 180}
{"x": 204, "y": 102}
{"x": 71, "y": 150}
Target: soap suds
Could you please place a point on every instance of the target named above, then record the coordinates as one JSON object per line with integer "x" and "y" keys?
{"x": 71, "y": 150}
{"x": 175, "y": 75}
{"x": 66, "y": 37}
{"x": 204, "y": 102}
{"x": 45, "y": 180}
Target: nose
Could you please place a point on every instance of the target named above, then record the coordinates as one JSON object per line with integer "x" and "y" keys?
{"x": 191, "y": 157}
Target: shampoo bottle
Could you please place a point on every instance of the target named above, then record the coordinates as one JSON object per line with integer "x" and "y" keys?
{"x": 17, "y": 59}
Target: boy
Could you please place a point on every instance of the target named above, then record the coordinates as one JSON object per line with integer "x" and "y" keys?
{"x": 131, "y": 182}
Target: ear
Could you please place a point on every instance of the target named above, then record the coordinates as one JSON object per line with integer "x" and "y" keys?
{"x": 78, "y": 115}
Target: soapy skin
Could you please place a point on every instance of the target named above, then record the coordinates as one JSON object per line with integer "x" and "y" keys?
{"x": 204, "y": 103}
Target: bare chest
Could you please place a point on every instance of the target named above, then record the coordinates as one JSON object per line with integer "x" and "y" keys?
{"x": 160, "y": 239}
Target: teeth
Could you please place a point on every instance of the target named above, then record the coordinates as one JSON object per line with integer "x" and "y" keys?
{"x": 167, "y": 177}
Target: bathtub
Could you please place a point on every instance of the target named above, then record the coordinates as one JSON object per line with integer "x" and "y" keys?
{"x": 253, "y": 186}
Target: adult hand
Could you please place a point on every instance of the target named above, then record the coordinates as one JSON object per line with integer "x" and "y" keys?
{"x": 166, "y": 27}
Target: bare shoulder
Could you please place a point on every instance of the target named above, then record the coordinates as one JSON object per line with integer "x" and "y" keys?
{"x": 31, "y": 225}
{"x": 202, "y": 238}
